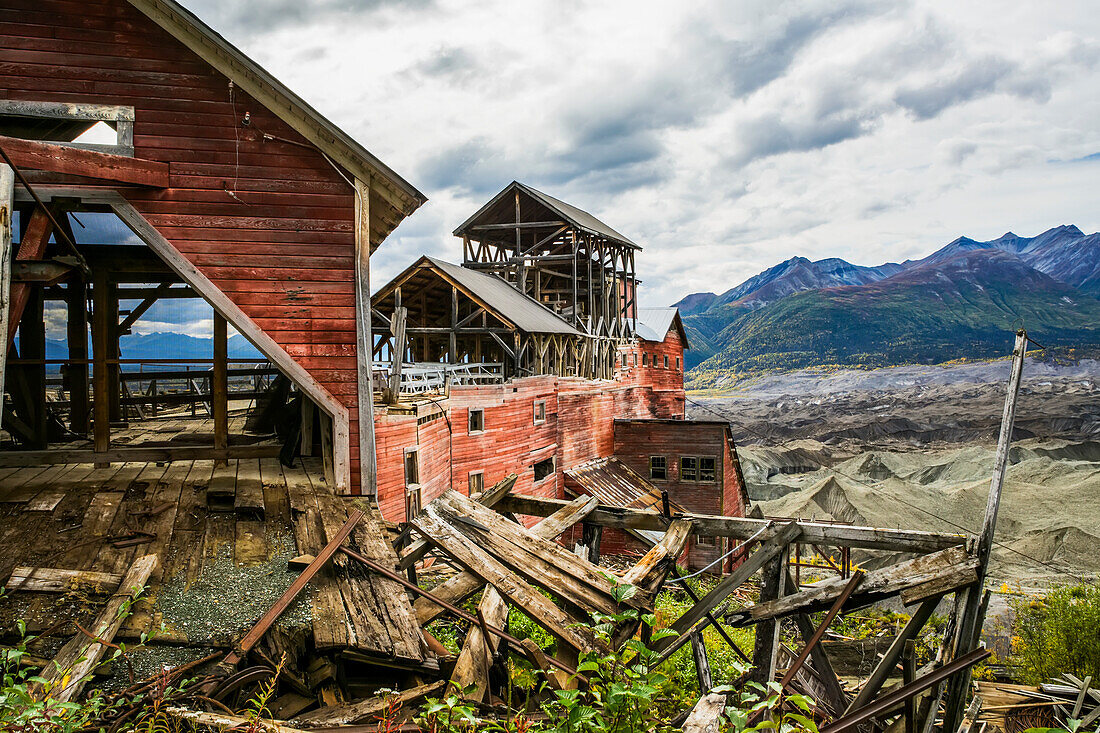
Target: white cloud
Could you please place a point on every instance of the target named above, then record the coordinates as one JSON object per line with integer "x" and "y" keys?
{"x": 721, "y": 136}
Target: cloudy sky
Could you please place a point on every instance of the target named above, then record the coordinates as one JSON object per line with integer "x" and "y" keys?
{"x": 721, "y": 136}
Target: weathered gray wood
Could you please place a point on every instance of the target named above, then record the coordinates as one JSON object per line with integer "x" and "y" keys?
{"x": 417, "y": 550}
{"x": 706, "y": 715}
{"x": 471, "y": 672}
{"x": 56, "y": 580}
{"x": 433, "y": 525}
{"x": 766, "y": 643}
{"x": 459, "y": 587}
{"x": 834, "y": 696}
{"x": 73, "y": 665}
{"x": 908, "y": 674}
{"x": 830, "y": 535}
{"x": 702, "y": 664}
{"x": 972, "y": 619}
{"x": 54, "y": 457}
{"x": 219, "y": 386}
{"x": 398, "y": 324}
{"x": 366, "y": 710}
{"x": 364, "y": 342}
{"x": 889, "y": 661}
{"x": 773, "y": 543}
{"x": 647, "y": 572}
{"x": 876, "y": 585}
{"x": 225, "y": 721}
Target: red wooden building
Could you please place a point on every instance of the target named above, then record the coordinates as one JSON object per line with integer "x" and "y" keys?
{"x": 231, "y": 188}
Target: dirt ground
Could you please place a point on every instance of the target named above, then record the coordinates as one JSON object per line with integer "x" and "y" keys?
{"x": 913, "y": 447}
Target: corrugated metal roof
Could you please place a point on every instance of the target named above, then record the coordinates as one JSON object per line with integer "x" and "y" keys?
{"x": 614, "y": 483}
{"x": 654, "y": 323}
{"x": 526, "y": 313}
{"x": 576, "y": 216}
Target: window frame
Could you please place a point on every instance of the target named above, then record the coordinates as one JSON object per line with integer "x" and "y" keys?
{"x": 552, "y": 472}
{"x": 539, "y": 406}
{"x": 414, "y": 501}
{"x": 645, "y": 359}
{"x": 122, "y": 117}
{"x": 663, "y": 468}
{"x": 470, "y": 429}
{"x": 470, "y": 489}
{"x": 689, "y": 473}
{"x": 714, "y": 470}
{"x": 666, "y": 361}
{"x": 415, "y": 453}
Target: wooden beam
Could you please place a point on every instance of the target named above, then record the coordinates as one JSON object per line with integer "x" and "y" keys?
{"x": 32, "y": 246}
{"x": 398, "y": 325}
{"x": 7, "y": 201}
{"x": 704, "y": 525}
{"x": 766, "y": 643}
{"x": 815, "y": 638}
{"x": 141, "y": 308}
{"x": 70, "y": 160}
{"x": 101, "y": 384}
{"x": 72, "y": 667}
{"x": 219, "y": 387}
{"x": 364, "y": 342}
{"x": 54, "y": 457}
{"x": 41, "y": 272}
{"x": 32, "y": 346}
{"x": 706, "y": 716}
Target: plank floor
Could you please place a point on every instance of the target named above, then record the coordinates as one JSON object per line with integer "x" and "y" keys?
{"x": 219, "y": 571}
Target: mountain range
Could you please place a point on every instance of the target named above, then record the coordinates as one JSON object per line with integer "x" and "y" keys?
{"x": 963, "y": 301}
{"x": 166, "y": 345}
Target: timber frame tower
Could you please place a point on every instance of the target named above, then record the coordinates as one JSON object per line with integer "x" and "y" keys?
{"x": 564, "y": 258}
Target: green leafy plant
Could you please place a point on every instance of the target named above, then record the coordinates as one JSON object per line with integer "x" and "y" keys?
{"x": 1056, "y": 634}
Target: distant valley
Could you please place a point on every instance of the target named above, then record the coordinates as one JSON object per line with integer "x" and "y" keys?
{"x": 964, "y": 301}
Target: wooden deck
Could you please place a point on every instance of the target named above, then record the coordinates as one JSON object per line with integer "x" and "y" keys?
{"x": 223, "y": 535}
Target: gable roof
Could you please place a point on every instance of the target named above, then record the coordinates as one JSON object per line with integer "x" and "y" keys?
{"x": 496, "y": 295}
{"x": 579, "y": 218}
{"x": 655, "y": 323}
{"x": 208, "y": 44}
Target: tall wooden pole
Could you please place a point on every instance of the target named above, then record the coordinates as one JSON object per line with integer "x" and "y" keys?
{"x": 219, "y": 387}
{"x": 32, "y": 346}
{"x": 970, "y": 624}
{"x": 364, "y": 343}
{"x": 7, "y": 194}
{"x": 100, "y": 378}
{"x": 76, "y": 375}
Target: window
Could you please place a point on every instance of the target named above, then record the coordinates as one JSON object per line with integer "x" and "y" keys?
{"x": 707, "y": 471}
{"x": 645, "y": 359}
{"x": 540, "y": 412}
{"x": 677, "y": 363}
{"x": 705, "y": 541}
{"x": 658, "y": 468}
{"x": 477, "y": 482}
{"x": 544, "y": 468}
{"x": 101, "y": 127}
{"x": 666, "y": 361}
{"x": 413, "y": 497}
{"x": 477, "y": 421}
{"x": 698, "y": 468}
{"x": 635, "y": 358}
{"x": 412, "y": 467}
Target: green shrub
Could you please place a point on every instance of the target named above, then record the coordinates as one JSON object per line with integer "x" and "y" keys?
{"x": 1057, "y": 634}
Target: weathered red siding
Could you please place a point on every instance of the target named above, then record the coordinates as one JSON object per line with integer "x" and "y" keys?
{"x": 281, "y": 246}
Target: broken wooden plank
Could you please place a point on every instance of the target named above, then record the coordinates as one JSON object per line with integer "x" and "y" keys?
{"x": 225, "y": 721}
{"x": 260, "y": 628}
{"x": 773, "y": 543}
{"x": 649, "y": 570}
{"x": 459, "y": 587}
{"x": 876, "y": 585}
{"x": 471, "y": 671}
{"x": 366, "y": 710}
{"x": 812, "y": 642}
{"x": 706, "y": 716}
{"x": 73, "y": 665}
{"x": 417, "y": 550}
{"x": 436, "y": 528}
{"x": 58, "y": 158}
{"x": 831, "y": 535}
{"x": 57, "y": 580}
{"x": 47, "y": 501}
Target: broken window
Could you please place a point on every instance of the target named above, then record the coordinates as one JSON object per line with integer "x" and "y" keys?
{"x": 477, "y": 421}
{"x": 544, "y": 468}
{"x": 540, "y": 412}
{"x": 689, "y": 468}
{"x": 707, "y": 470}
{"x": 658, "y": 468}
{"x": 476, "y": 482}
{"x": 412, "y": 467}
{"x": 645, "y": 359}
{"x": 101, "y": 127}
{"x": 666, "y": 361}
{"x": 413, "y": 499}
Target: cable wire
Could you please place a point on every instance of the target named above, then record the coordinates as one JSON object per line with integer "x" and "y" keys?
{"x": 879, "y": 492}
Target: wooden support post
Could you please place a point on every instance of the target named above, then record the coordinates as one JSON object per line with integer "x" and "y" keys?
{"x": 7, "y": 193}
{"x": 767, "y": 631}
{"x": 591, "y": 534}
{"x": 908, "y": 674}
{"x": 100, "y": 353}
{"x": 114, "y": 369}
{"x": 32, "y": 346}
{"x": 452, "y": 337}
{"x": 972, "y": 619}
{"x": 364, "y": 342}
{"x": 397, "y": 325}
{"x": 702, "y": 665}
{"x": 219, "y": 387}
{"x": 76, "y": 375}
{"x": 307, "y": 426}
{"x": 32, "y": 246}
